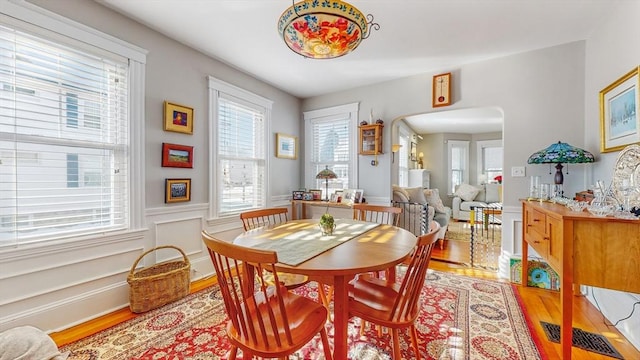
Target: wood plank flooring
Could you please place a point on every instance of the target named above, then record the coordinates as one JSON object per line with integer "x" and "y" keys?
{"x": 541, "y": 305}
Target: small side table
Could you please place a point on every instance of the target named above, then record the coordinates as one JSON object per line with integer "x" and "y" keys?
{"x": 487, "y": 212}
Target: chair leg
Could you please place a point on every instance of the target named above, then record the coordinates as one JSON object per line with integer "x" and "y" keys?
{"x": 325, "y": 344}
{"x": 396, "y": 344}
{"x": 414, "y": 341}
{"x": 233, "y": 353}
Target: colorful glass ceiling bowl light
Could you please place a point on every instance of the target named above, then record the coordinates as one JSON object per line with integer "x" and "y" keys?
{"x": 321, "y": 29}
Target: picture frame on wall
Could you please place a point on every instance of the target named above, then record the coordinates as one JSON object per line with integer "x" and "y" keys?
{"x": 174, "y": 155}
{"x": 177, "y": 190}
{"x": 286, "y": 146}
{"x": 178, "y": 118}
{"x": 619, "y": 121}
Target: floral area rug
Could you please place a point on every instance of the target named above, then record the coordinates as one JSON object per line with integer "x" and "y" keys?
{"x": 461, "y": 318}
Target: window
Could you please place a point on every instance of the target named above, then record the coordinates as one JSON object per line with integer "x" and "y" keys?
{"x": 330, "y": 141}
{"x": 403, "y": 158}
{"x": 489, "y": 160}
{"x": 65, "y": 129}
{"x": 239, "y": 122}
{"x": 458, "y": 163}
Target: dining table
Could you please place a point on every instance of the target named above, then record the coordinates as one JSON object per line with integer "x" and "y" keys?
{"x": 355, "y": 247}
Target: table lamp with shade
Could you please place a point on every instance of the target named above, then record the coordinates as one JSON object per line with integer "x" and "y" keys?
{"x": 326, "y": 174}
{"x": 560, "y": 153}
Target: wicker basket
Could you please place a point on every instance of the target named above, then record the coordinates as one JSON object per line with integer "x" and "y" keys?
{"x": 160, "y": 284}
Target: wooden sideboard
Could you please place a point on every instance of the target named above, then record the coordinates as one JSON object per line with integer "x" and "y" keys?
{"x": 584, "y": 250}
{"x": 306, "y": 203}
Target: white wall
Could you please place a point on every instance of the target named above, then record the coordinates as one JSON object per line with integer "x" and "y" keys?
{"x": 59, "y": 285}
{"x": 534, "y": 118}
{"x": 611, "y": 52}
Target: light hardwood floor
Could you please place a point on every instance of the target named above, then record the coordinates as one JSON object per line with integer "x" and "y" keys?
{"x": 540, "y": 305}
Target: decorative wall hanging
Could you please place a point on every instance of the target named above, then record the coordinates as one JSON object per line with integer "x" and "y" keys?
{"x": 178, "y": 118}
{"x": 286, "y": 146}
{"x": 441, "y": 94}
{"x": 174, "y": 155}
{"x": 619, "y": 124}
{"x": 177, "y": 190}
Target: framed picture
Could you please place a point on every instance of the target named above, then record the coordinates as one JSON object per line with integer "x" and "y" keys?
{"x": 174, "y": 155}
{"x": 307, "y": 196}
{"x": 317, "y": 194}
{"x": 286, "y": 146}
{"x": 178, "y": 118}
{"x": 413, "y": 152}
{"x": 297, "y": 195}
{"x": 619, "y": 124}
{"x": 335, "y": 198}
{"x": 352, "y": 196}
{"x": 177, "y": 190}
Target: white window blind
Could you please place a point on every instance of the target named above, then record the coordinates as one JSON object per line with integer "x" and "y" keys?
{"x": 403, "y": 160}
{"x": 458, "y": 163}
{"x": 241, "y": 155}
{"x": 63, "y": 139}
{"x": 332, "y": 148}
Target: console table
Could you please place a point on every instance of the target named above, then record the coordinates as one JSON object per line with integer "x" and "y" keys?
{"x": 584, "y": 250}
{"x": 305, "y": 203}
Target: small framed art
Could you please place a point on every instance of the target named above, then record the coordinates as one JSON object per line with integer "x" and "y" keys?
{"x": 307, "y": 196}
{"x": 619, "y": 125}
{"x": 178, "y": 118}
{"x": 286, "y": 146}
{"x": 317, "y": 194}
{"x": 177, "y": 190}
{"x": 174, "y": 155}
{"x": 297, "y": 195}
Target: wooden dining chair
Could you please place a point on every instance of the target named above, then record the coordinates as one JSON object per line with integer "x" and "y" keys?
{"x": 395, "y": 305}
{"x": 380, "y": 214}
{"x": 257, "y": 218}
{"x": 389, "y": 215}
{"x": 265, "y": 320}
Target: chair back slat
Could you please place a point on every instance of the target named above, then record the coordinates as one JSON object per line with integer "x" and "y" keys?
{"x": 260, "y": 317}
{"x": 257, "y": 218}
{"x": 389, "y": 215}
{"x": 406, "y": 304}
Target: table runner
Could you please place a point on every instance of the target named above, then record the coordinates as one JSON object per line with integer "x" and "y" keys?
{"x": 307, "y": 241}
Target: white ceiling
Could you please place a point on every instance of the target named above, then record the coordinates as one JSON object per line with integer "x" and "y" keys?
{"x": 467, "y": 121}
{"x": 415, "y": 36}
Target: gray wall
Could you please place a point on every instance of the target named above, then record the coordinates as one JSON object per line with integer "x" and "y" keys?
{"x": 611, "y": 52}
{"x": 519, "y": 85}
{"x": 63, "y": 284}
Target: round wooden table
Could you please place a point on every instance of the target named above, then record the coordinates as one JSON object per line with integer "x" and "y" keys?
{"x": 377, "y": 249}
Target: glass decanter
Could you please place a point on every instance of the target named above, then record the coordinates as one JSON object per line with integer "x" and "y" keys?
{"x": 603, "y": 203}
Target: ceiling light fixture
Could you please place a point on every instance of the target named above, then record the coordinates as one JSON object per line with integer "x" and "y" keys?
{"x": 324, "y": 29}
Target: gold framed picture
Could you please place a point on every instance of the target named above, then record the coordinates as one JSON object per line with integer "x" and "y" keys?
{"x": 178, "y": 118}
{"x": 619, "y": 122}
{"x": 286, "y": 146}
{"x": 177, "y": 190}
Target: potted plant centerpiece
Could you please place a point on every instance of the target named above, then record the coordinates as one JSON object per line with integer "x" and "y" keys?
{"x": 327, "y": 224}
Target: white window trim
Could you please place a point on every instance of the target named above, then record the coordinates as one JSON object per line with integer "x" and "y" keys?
{"x": 216, "y": 87}
{"x": 465, "y": 177}
{"x": 480, "y": 145}
{"x": 349, "y": 111}
{"x": 55, "y": 23}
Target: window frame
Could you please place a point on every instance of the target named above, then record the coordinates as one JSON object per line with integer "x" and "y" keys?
{"x": 66, "y": 32}
{"x": 347, "y": 111}
{"x": 215, "y": 88}
{"x": 480, "y": 146}
{"x": 465, "y": 145}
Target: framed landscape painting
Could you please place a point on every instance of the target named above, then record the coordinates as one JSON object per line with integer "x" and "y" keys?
{"x": 619, "y": 123}
{"x": 174, "y": 155}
